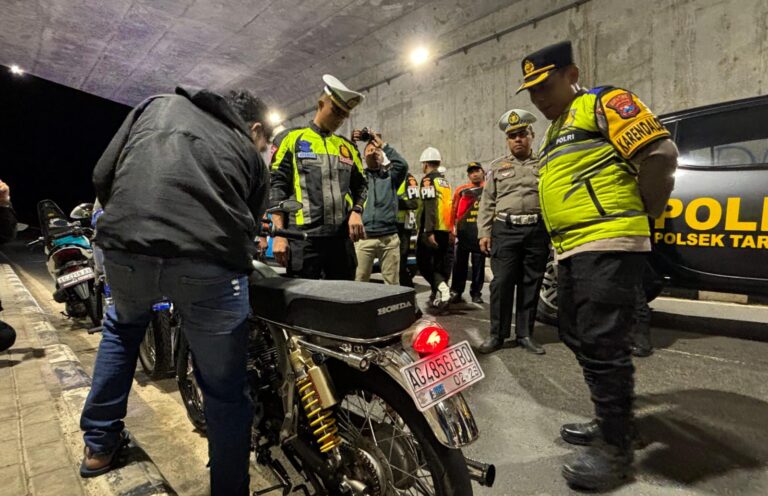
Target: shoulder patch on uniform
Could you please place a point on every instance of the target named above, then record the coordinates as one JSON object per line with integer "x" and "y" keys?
{"x": 442, "y": 182}
{"x": 630, "y": 123}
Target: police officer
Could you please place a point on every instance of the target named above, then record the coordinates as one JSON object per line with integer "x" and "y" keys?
{"x": 434, "y": 248}
{"x": 324, "y": 172}
{"x": 606, "y": 164}
{"x": 466, "y": 203}
{"x": 512, "y": 233}
{"x": 407, "y": 204}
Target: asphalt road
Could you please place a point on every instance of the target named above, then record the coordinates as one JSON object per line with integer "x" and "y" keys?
{"x": 702, "y": 404}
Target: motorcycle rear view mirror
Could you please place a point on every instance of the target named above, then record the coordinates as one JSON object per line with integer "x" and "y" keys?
{"x": 287, "y": 206}
{"x": 84, "y": 211}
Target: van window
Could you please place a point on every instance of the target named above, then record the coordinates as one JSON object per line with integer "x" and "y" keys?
{"x": 732, "y": 137}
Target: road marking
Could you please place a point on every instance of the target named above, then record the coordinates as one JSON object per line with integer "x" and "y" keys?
{"x": 698, "y": 355}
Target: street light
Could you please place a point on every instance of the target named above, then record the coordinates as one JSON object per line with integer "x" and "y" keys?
{"x": 15, "y": 69}
{"x": 419, "y": 55}
{"x": 275, "y": 118}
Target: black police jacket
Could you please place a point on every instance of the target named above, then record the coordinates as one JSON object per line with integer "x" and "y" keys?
{"x": 182, "y": 178}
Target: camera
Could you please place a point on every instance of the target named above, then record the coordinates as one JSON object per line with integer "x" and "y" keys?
{"x": 365, "y": 134}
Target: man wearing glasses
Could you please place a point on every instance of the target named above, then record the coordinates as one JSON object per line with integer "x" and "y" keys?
{"x": 324, "y": 172}
{"x": 512, "y": 233}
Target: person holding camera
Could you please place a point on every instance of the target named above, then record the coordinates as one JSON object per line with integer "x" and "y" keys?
{"x": 323, "y": 171}
{"x": 7, "y": 233}
{"x": 385, "y": 171}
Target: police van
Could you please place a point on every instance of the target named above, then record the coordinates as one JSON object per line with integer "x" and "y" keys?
{"x": 714, "y": 233}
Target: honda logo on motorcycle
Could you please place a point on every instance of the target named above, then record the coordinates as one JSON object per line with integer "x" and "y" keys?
{"x": 394, "y": 308}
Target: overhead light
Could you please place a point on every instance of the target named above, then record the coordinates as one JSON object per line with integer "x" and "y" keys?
{"x": 419, "y": 55}
{"x": 15, "y": 69}
{"x": 275, "y": 118}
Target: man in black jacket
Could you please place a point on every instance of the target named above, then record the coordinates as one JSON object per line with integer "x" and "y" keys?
{"x": 7, "y": 233}
{"x": 380, "y": 215}
{"x": 182, "y": 186}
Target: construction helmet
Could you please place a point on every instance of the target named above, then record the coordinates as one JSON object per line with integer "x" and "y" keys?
{"x": 430, "y": 154}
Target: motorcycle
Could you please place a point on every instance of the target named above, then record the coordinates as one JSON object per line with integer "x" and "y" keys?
{"x": 354, "y": 389}
{"x": 69, "y": 259}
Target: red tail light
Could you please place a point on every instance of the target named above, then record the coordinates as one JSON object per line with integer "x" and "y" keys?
{"x": 67, "y": 255}
{"x": 431, "y": 339}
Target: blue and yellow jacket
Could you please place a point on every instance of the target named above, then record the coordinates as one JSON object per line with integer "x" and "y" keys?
{"x": 321, "y": 170}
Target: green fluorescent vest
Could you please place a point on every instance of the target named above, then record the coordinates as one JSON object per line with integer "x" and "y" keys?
{"x": 587, "y": 191}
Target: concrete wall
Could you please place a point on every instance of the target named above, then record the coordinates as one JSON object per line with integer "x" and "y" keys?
{"x": 674, "y": 54}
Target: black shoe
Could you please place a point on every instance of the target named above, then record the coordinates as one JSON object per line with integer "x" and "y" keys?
{"x": 599, "y": 468}
{"x": 589, "y": 433}
{"x": 455, "y": 298}
{"x": 477, "y": 299}
{"x": 531, "y": 346}
{"x": 641, "y": 351}
{"x": 582, "y": 434}
{"x": 493, "y": 343}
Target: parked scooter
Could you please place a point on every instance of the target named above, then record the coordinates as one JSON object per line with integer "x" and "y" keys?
{"x": 360, "y": 395}
{"x": 69, "y": 259}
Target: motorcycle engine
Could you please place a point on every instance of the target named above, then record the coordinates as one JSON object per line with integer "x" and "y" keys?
{"x": 263, "y": 379}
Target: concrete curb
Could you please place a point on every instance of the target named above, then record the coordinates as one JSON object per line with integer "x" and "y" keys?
{"x": 139, "y": 476}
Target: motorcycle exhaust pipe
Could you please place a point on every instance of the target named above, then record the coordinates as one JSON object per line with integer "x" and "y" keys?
{"x": 482, "y": 473}
{"x": 359, "y": 362}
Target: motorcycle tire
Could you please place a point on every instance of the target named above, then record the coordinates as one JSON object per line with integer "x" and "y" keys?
{"x": 95, "y": 306}
{"x": 447, "y": 467}
{"x": 155, "y": 351}
{"x": 191, "y": 395}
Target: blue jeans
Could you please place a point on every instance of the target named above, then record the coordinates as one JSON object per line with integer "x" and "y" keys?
{"x": 213, "y": 303}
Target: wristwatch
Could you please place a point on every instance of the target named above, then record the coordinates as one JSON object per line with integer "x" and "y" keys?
{"x": 358, "y": 209}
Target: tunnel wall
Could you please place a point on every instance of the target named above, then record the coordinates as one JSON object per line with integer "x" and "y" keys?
{"x": 674, "y": 54}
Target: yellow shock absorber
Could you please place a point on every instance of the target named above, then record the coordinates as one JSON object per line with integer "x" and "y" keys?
{"x": 321, "y": 421}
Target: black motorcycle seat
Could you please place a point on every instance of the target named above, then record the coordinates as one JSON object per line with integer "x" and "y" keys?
{"x": 355, "y": 310}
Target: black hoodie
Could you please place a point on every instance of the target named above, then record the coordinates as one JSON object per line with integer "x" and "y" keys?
{"x": 182, "y": 178}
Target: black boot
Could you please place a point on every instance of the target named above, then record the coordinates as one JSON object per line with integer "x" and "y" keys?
{"x": 641, "y": 344}
{"x": 599, "y": 467}
{"x": 531, "y": 346}
{"x": 582, "y": 434}
{"x": 588, "y": 433}
{"x": 493, "y": 343}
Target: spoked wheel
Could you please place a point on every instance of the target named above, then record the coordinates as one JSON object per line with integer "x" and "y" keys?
{"x": 190, "y": 391}
{"x": 387, "y": 445}
{"x": 155, "y": 352}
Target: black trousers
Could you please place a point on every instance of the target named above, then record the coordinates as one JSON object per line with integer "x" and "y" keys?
{"x": 597, "y": 295}
{"x": 323, "y": 257}
{"x": 435, "y": 263}
{"x": 405, "y": 245}
{"x": 518, "y": 260}
{"x": 461, "y": 256}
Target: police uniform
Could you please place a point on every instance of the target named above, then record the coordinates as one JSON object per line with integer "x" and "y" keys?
{"x": 606, "y": 164}
{"x": 510, "y": 215}
{"x": 407, "y": 204}
{"x": 324, "y": 172}
{"x": 466, "y": 204}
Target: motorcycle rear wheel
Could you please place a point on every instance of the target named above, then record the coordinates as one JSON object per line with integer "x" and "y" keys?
{"x": 405, "y": 448}
{"x": 155, "y": 352}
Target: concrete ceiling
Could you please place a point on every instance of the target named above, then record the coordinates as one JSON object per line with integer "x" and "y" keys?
{"x": 126, "y": 50}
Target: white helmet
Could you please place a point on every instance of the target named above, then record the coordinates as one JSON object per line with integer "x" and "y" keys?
{"x": 430, "y": 154}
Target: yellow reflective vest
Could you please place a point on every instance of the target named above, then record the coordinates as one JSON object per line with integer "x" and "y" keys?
{"x": 588, "y": 187}
{"x": 321, "y": 170}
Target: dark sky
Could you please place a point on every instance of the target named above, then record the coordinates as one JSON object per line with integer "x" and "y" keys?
{"x": 50, "y": 138}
